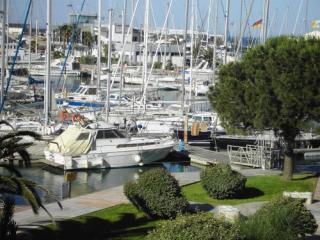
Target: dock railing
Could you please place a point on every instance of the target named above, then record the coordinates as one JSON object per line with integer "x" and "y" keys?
{"x": 253, "y": 156}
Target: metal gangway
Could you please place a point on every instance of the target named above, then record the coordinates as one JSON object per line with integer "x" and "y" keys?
{"x": 255, "y": 156}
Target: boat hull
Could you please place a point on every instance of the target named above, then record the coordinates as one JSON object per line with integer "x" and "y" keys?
{"x": 117, "y": 159}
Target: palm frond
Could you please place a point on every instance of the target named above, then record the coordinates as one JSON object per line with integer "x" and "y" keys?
{"x": 14, "y": 134}
{"x": 11, "y": 169}
{"x": 25, "y": 157}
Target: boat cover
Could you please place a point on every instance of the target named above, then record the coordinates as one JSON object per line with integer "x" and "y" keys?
{"x": 73, "y": 141}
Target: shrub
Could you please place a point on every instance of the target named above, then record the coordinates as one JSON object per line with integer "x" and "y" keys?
{"x": 157, "y": 194}
{"x": 283, "y": 218}
{"x": 90, "y": 60}
{"x": 201, "y": 226}
{"x": 221, "y": 182}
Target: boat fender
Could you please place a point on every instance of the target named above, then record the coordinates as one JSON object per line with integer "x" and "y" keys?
{"x": 137, "y": 158}
{"x": 76, "y": 117}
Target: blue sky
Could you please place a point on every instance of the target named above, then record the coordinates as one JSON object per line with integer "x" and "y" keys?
{"x": 282, "y": 12}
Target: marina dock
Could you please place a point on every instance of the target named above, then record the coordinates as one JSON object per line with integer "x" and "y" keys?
{"x": 206, "y": 157}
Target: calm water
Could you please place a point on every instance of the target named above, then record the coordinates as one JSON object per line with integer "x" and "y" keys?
{"x": 92, "y": 181}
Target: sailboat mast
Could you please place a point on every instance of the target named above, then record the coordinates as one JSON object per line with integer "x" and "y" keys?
{"x": 99, "y": 50}
{"x": 192, "y": 50}
{"x": 208, "y": 21}
{"x": 184, "y": 56}
{"x": 226, "y": 30}
{"x": 30, "y": 36}
{"x": 109, "y": 65}
{"x": 124, "y": 16}
{"x": 132, "y": 30}
{"x": 306, "y": 17}
{"x": 48, "y": 64}
{"x": 214, "y": 60}
{"x": 166, "y": 40}
{"x": 265, "y": 21}
{"x": 7, "y": 29}
{"x": 36, "y": 45}
{"x": 146, "y": 35}
{"x": 3, "y": 49}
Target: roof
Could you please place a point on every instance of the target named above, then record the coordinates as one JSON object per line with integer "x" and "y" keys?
{"x": 100, "y": 125}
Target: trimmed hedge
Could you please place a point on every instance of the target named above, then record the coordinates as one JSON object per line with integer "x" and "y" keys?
{"x": 282, "y": 218}
{"x": 201, "y": 226}
{"x": 157, "y": 194}
{"x": 221, "y": 182}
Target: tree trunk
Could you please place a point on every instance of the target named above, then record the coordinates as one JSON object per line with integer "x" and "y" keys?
{"x": 288, "y": 166}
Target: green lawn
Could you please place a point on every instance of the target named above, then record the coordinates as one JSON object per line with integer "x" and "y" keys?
{"x": 118, "y": 222}
{"x": 259, "y": 188}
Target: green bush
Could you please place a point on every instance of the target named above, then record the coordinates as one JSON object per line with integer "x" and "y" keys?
{"x": 221, "y": 182}
{"x": 157, "y": 194}
{"x": 91, "y": 60}
{"x": 57, "y": 55}
{"x": 283, "y": 218}
{"x": 201, "y": 226}
{"x": 157, "y": 65}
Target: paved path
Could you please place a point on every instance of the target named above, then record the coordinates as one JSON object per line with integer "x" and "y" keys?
{"x": 74, "y": 207}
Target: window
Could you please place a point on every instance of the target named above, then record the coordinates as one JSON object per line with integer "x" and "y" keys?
{"x": 83, "y": 136}
{"x": 110, "y": 134}
{"x": 91, "y": 91}
{"x": 105, "y": 134}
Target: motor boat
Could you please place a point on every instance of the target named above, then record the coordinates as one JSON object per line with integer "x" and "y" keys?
{"x": 86, "y": 96}
{"x": 100, "y": 145}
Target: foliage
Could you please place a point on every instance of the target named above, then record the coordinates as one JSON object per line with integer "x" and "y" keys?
{"x": 202, "y": 226}
{"x": 91, "y": 60}
{"x": 208, "y": 56}
{"x": 282, "y": 218}
{"x": 157, "y": 193}
{"x": 8, "y": 227}
{"x": 87, "y": 39}
{"x": 157, "y": 65}
{"x": 258, "y": 188}
{"x": 57, "y": 55}
{"x": 169, "y": 65}
{"x": 274, "y": 86}
{"x": 221, "y": 182}
{"x": 122, "y": 221}
{"x": 13, "y": 183}
{"x": 65, "y": 32}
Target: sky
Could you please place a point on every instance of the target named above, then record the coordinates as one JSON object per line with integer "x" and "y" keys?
{"x": 285, "y": 17}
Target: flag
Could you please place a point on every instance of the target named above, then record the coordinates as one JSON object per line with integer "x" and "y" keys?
{"x": 257, "y": 24}
{"x": 315, "y": 24}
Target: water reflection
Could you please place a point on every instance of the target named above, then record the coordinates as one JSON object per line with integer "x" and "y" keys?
{"x": 93, "y": 180}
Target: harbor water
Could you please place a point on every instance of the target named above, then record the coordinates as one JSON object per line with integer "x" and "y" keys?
{"x": 90, "y": 181}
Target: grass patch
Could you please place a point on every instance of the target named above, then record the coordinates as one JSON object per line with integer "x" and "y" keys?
{"x": 119, "y": 222}
{"x": 258, "y": 188}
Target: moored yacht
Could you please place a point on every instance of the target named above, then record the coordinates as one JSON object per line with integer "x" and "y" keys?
{"x": 99, "y": 145}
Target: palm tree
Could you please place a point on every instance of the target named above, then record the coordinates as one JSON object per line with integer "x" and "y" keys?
{"x": 65, "y": 33}
{"x": 8, "y": 227}
{"x": 87, "y": 39}
{"x": 13, "y": 183}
